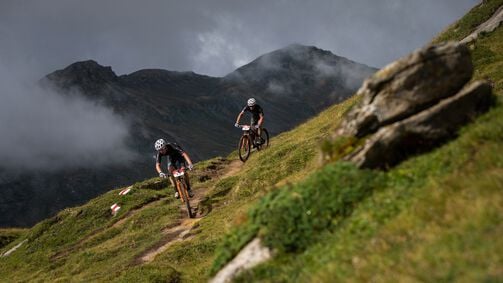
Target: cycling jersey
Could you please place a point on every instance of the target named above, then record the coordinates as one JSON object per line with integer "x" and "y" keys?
{"x": 255, "y": 112}
{"x": 173, "y": 153}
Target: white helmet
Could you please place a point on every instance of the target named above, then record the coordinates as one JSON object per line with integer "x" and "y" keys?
{"x": 159, "y": 144}
{"x": 251, "y": 101}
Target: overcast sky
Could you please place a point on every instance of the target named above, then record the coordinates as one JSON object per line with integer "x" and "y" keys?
{"x": 40, "y": 130}
{"x": 212, "y": 37}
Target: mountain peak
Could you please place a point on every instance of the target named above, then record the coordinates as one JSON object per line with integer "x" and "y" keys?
{"x": 302, "y": 61}
{"x": 91, "y": 67}
{"x": 86, "y": 74}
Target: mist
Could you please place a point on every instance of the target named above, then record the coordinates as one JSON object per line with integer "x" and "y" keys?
{"x": 42, "y": 130}
{"x": 45, "y": 131}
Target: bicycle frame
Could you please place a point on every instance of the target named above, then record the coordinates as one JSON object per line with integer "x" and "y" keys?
{"x": 249, "y": 130}
{"x": 179, "y": 176}
{"x": 181, "y": 187}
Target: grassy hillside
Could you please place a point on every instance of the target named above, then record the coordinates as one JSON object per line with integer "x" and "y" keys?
{"x": 435, "y": 217}
{"x": 88, "y": 243}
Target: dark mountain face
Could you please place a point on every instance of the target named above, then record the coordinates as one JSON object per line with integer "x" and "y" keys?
{"x": 196, "y": 111}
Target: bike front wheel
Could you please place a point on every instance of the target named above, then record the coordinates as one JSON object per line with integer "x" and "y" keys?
{"x": 244, "y": 147}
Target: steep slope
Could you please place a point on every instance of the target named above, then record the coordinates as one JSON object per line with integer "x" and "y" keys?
{"x": 88, "y": 243}
{"x": 435, "y": 217}
{"x": 194, "y": 110}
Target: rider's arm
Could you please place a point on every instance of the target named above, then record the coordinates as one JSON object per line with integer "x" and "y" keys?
{"x": 158, "y": 167}
{"x": 239, "y": 117}
{"x": 158, "y": 159}
{"x": 261, "y": 120}
{"x": 187, "y": 158}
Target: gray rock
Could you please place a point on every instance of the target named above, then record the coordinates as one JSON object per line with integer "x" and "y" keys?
{"x": 486, "y": 27}
{"x": 251, "y": 255}
{"x": 421, "y": 132}
{"x": 409, "y": 86}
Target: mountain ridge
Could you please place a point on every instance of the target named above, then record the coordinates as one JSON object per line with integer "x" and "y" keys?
{"x": 435, "y": 217}
{"x": 196, "y": 111}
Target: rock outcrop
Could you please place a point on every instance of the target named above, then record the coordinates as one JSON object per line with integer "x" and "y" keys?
{"x": 486, "y": 27}
{"x": 413, "y": 105}
{"x": 251, "y": 255}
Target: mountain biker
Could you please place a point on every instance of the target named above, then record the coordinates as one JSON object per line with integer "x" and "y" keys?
{"x": 177, "y": 158}
{"x": 257, "y": 117}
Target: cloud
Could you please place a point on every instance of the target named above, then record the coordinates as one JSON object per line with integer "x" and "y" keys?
{"x": 217, "y": 50}
{"x": 279, "y": 87}
{"x": 46, "y": 131}
{"x": 214, "y": 37}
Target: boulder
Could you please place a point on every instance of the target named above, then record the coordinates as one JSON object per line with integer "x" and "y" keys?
{"x": 251, "y": 255}
{"x": 421, "y": 132}
{"x": 409, "y": 86}
{"x": 413, "y": 105}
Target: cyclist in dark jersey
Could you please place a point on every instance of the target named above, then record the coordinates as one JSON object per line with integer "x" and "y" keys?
{"x": 257, "y": 116}
{"x": 177, "y": 158}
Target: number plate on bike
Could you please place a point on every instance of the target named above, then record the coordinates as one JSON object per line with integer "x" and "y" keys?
{"x": 246, "y": 128}
{"x": 178, "y": 174}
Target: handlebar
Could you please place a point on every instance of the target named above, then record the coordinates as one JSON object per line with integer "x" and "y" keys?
{"x": 250, "y": 127}
{"x": 181, "y": 170}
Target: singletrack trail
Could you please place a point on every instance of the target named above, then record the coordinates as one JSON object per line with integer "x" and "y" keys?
{"x": 182, "y": 229}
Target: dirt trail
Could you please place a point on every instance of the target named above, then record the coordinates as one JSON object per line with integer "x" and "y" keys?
{"x": 182, "y": 230}
{"x": 232, "y": 168}
{"x": 173, "y": 234}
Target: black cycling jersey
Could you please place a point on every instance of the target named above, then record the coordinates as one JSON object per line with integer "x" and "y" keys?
{"x": 173, "y": 153}
{"x": 255, "y": 111}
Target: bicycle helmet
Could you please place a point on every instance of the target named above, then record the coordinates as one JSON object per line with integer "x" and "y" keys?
{"x": 159, "y": 144}
{"x": 251, "y": 101}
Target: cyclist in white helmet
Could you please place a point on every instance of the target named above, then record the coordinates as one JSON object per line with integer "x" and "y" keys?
{"x": 177, "y": 158}
{"x": 257, "y": 116}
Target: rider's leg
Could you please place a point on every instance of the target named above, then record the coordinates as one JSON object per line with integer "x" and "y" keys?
{"x": 172, "y": 179}
{"x": 254, "y": 133}
{"x": 258, "y": 138}
{"x": 187, "y": 182}
{"x": 180, "y": 164}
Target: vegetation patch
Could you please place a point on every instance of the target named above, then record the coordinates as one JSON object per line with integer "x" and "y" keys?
{"x": 464, "y": 26}
{"x": 9, "y": 235}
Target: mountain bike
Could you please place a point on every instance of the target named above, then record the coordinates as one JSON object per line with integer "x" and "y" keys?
{"x": 181, "y": 187}
{"x": 248, "y": 141}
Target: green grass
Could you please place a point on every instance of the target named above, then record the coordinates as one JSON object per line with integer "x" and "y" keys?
{"x": 85, "y": 243}
{"x": 435, "y": 217}
{"x": 464, "y": 26}
{"x": 8, "y": 235}
{"x": 82, "y": 243}
{"x": 291, "y": 156}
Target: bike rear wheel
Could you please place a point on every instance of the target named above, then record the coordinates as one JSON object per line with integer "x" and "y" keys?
{"x": 264, "y": 135}
{"x": 244, "y": 147}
